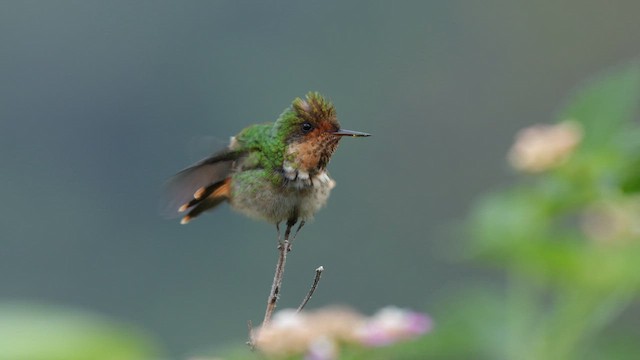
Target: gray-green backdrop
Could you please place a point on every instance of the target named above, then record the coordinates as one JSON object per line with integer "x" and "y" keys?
{"x": 101, "y": 101}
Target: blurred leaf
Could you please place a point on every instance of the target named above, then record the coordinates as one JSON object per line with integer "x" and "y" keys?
{"x": 604, "y": 105}
{"x": 631, "y": 180}
{"x": 620, "y": 344}
{"x": 39, "y": 332}
{"x": 502, "y": 224}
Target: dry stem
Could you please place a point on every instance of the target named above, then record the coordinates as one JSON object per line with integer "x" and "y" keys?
{"x": 283, "y": 249}
{"x": 316, "y": 280}
{"x": 252, "y": 340}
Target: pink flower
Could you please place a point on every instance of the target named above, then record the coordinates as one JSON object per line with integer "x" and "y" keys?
{"x": 319, "y": 334}
{"x": 322, "y": 348}
{"x": 392, "y": 324}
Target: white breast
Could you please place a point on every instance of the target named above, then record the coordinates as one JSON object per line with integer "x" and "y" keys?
{"x": 317, "y": 194}
{"x": 300, "y": 179}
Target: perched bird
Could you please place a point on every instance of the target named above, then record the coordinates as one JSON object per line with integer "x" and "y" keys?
{"x": 274, "y": 172}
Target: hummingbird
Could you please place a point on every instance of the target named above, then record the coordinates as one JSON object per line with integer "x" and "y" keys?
{"x": 274, "y": 171}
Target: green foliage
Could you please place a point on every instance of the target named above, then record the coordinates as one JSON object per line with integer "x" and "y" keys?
{"x": 569, "y": 237}
{"x": 606, "y": 105}
{"x": 38, "y": 332}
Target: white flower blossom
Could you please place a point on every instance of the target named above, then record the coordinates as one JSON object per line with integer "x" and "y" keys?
{"x": 542, "y": 147}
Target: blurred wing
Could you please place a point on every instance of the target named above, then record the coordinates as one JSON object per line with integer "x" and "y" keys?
{"x": 182, "y": 186}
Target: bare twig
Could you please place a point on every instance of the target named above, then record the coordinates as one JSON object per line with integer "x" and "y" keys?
{"x": 251, "y": 342}
{"x": 316, "y": 280}
{"x": 284, "y": 246}
{"x": 283, "y": 249}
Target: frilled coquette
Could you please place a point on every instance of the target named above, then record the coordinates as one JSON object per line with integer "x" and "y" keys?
{"x": 275, "y": 171}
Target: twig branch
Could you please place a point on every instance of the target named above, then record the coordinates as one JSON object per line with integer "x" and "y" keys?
{"x": 284, "y": 246}
{"x": 283, "y": 249}
{"x": 252, "y": 341}
{"x": 316, "y": 280}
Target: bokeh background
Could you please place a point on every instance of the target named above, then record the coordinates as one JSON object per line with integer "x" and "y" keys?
{"x": 101, "y": 102}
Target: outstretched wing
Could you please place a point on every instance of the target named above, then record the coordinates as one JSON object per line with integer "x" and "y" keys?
{"x": 202, "y": 179}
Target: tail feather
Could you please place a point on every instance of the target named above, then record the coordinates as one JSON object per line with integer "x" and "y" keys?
{"x": 197, "y": 182}
{"x": 206, "y": 198}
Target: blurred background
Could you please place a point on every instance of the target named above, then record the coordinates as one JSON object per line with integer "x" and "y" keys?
{"x": 101, "y": 102}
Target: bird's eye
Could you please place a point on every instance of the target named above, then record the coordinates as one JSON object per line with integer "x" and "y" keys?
{"x": 306, "y": 127}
